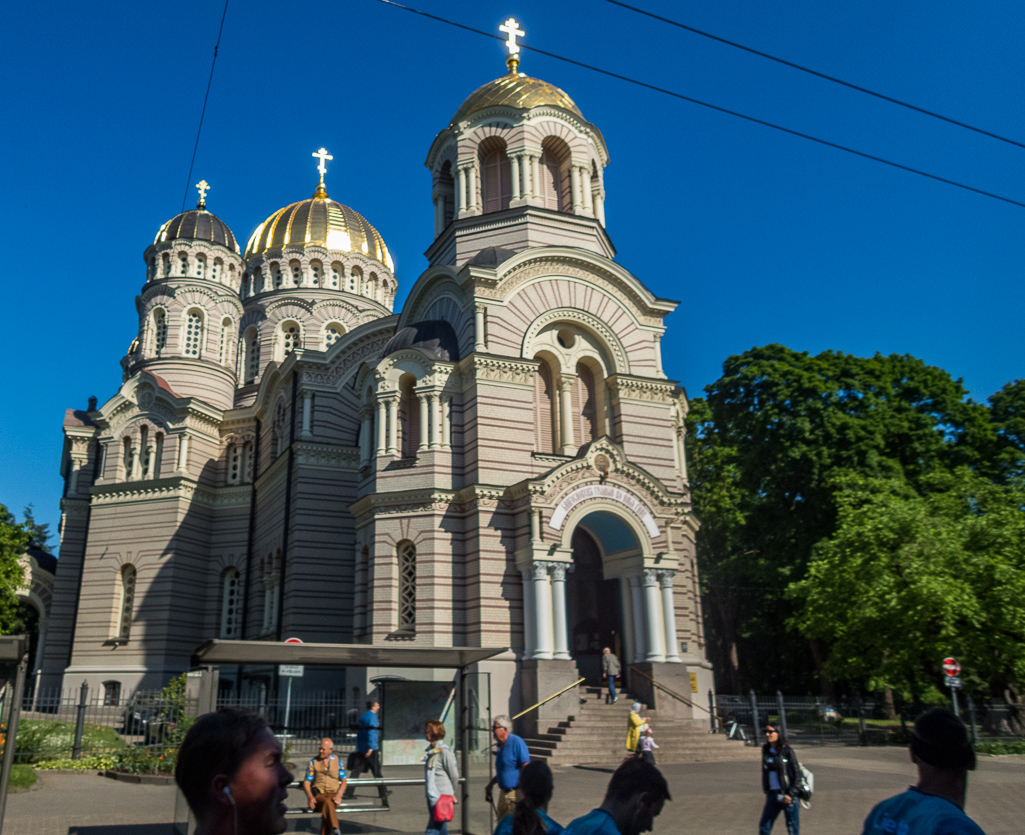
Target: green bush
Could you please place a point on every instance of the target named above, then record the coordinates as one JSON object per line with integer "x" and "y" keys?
{"x": 1011, "y": 746}
{"x": 40, "y": 739}
{"x": 97, "y": 762}
{"x": 22, "y": 776}
{"x": 145, "y": 761}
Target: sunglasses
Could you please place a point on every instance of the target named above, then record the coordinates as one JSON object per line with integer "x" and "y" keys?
{"x": 770, "y": 731}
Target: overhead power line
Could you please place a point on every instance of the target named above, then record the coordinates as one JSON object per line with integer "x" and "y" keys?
{"x": 202, "y": 114}
{"x": 816, "y": 73}
{"x": 715, "y": 107}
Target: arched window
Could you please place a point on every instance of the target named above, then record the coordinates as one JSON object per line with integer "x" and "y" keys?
{"x": 257, "y": 281}
{"x": 111, "y": 693}
{"x": 337, "y": 271}
{"x": 224, "y": 353}
{"x": 356, "y": 280}
{"x": 332, "y": 333}
{"x": 247, "y": 461}
{"x": 297, "y": 273}
{"x": 252, "y": 342}
{"x": 545, "y": 425}
{"x": 127, "y": 457}
{"x": 230, "y": 615}
{"x": 496, "y": 180}
{"x": 446, "y": 186}
{"x": 234, "y": 463}
{"x": 290, "y": 337}
{"x": 585, "y": 405}
{"x": 275, "y": 274}
{"x": 193, "y": 333}
{"x": 159, "y": 330}
{"x": 555, "y": 181}
{"x": 165, "y": 260}
{"x": 372, "y": 286}
{"x": 409, "y": 416}
{"x": 124, "y": 619}
{"x": 145, "y": 451}
{"x": 315, "y": 272}
{"x": 151, "y": 268}
{"x": 200, "y": 265}
{"x": 158, "y": 453}
{"x": 407, "y": 586}
{"x": 183, "y": 263}
{"x": 215, "y": 269}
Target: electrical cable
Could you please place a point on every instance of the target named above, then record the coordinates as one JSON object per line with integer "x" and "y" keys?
{"x": 202, "y": 114}
{"x": 715, "y": 107}
{"x": 816, "y": 73}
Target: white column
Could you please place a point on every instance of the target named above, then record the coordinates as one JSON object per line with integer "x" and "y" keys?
{"x": 566, "y": 413}
{"x": 585, "y": 185}
{"x": 535, "y": 176}
{"x": 438, "y": 215}
{"x": 76, "y": 466}
{"x": 473, "y": 200}
{"x": 364, "y": 436}
{"x": 559, "y": 610}
{"x": 480, "y": 344}
{"x": 529, "y": 645}
{"x": 640, "y": 652}
{"x": 652, "y": 610}
{"x": 542, "y": 612}
{"x": 425, "y": 422}
{"x": 393, "y": 426}
{"x": 446, "y": 422}
{"x": 514, "y": 171}
{"x": 574, "y": 189}
{"x": 434, "y": 417}
{"x": 460, "y": 191}
{"x": 665, "y": 581}
{"x": 382, "y": 428}
{"x": 307, "y": 414}
{"x": 599, "y": 206}
{"x": 183, "y": 454}
{"x": 681, "y": 442}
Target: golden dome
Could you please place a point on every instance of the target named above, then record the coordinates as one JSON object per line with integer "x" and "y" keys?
{"x": 520, "y": 91}
{"x": 197, "y": 225}
{"x": 319, "y": 221}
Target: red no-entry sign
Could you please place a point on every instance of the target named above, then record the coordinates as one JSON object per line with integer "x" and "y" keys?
{"x": 951, "y": 667}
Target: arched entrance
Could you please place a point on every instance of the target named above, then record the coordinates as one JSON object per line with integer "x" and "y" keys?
{"x": 594, "y": 611}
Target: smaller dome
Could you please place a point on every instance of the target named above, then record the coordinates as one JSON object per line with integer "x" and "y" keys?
{"x": 197, "y": 225}
{"x": 435, "y": 337}
{"x": 319, "y": 221}
{"x": 520, "y": 91}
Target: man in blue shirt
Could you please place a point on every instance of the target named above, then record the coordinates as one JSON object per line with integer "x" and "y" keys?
{"x": 367, "y": 756}
{"x": 510, "y": 756}
{"x": 635, "y": 797}
{"x": 941, "y": 750}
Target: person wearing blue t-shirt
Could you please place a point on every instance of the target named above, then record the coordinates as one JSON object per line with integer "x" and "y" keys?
{"x": 635, "y": 797}
{"x": 941, "y": 750}
{"x": 510, "y": 756}
{"x": 532, "y": 797}
{"x": 367, "y": 756}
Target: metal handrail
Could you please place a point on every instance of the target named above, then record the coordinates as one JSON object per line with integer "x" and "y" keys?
{"x": 534, "y": 707}
{"x": 672, "y": 693}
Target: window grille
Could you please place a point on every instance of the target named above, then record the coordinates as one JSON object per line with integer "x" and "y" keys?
{"x": 407, "y": 586}
{"x": 184, "y": 261}
{"x": 193, "y": 333}
{"x": 335, "y": 270}
{"x": 111, "y": 693}
{"x": 200, "y": 265}
{"x": 331, "y": 335}
{"x": 234, "y": 463}
{"x": 160, "y": 329}
{"x": 291, "y": 332}
{"x": 225, "y": 347}
{"x": 254, "y": 357}
{"x": 229, "y": 603}
{"x": 127, "y": 602}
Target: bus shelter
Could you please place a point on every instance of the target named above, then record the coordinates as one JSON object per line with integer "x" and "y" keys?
{"x": 213, "y": 654}
{"x": 13, "y": 650}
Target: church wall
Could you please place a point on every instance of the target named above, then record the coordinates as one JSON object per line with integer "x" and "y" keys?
{"x": 493, "y": 589}
{"x": 646, "y": 433}
{"x": 73, "y": 532}
{"x": 335, "y": 416}
{"x": 499, "y": 430}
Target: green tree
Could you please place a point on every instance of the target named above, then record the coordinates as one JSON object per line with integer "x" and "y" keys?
{"x": 39, "y": 533}
{"x": 13, "y": 541}
{"x": 766, "y": 447}
{"x": 909, "y": 578}
{"x": 1007, "y": 415}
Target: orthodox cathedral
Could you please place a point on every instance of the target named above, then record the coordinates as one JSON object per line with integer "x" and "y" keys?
{"x": 497, "y": 464}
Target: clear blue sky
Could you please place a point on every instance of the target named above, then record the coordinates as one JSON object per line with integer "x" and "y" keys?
{"x": 762, "y": 237}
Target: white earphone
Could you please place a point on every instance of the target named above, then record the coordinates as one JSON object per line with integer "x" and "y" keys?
{"x": 227, "y": 791}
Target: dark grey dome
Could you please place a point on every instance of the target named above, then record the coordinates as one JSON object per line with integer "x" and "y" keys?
{"x": 436, "y": 338}
{"x": 491, "y": 256}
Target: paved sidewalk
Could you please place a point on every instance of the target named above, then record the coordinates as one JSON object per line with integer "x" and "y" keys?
{"x": 722, "y": 798}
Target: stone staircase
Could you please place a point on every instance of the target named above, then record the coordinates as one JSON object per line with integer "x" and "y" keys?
{"x": 596, "y": 733}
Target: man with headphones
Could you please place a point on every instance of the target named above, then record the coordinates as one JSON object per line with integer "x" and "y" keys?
{"x": 231, "y": 772}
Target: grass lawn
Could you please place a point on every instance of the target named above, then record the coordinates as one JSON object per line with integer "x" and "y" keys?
{"x": 40, "y": 739}
{"x": 22, "y": 776}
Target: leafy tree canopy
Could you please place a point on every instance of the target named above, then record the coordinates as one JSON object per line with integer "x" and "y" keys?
{"x": 39, "y": 533}
{"x": 13, "y": 541}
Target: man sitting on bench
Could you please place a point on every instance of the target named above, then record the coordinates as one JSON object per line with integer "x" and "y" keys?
{"x": 324, "y": 784}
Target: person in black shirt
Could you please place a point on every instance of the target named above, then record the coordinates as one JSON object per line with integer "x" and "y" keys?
{"x": 779, "y": 782}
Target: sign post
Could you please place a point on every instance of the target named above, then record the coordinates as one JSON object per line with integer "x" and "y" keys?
{"x": 290, "y": 671}
{"x": 952, "y": 670}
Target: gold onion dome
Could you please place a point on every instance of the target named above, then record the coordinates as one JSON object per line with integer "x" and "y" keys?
{"x": 319, "y": 221}
{"x": 197, "y": 225}
{"x": 515, "y": 90}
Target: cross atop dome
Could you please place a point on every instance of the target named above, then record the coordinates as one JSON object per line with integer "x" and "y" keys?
{"x": 323, "y": 156}
{"x": 512, "y": 28}
{"x": 203, "y": 187}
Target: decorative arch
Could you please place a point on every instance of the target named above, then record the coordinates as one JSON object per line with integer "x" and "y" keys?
{"x": 616, "y": 353}
{"x": 556, "y": 161}
{"x": 496, "y": 174}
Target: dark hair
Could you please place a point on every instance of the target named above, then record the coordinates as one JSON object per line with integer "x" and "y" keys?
{"x": 435, "y": 727}
{"x": 371, "y": 703}
{"x": 781, "y": 740}
{"x": 536, "y": 786}
{"x": 941, "y": 739}
{"x": 635, "y": 776}
{"x": 217, "y": 743}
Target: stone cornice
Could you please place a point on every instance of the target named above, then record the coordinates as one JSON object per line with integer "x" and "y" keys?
{"x": 644, "y": 389}
{"x": 326, "y": 456}
{"x": 497, "y": 369}
{"x": 408, "y": 502}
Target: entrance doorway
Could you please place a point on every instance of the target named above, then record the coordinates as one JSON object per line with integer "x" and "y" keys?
{"x": 592, "y": 608}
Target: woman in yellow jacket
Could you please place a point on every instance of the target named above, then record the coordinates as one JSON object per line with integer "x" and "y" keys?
{"x": 633, "y": 724}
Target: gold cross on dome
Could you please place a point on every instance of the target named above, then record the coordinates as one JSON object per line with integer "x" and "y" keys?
{"x": 203, "y": 187}
{"x": 511, "y": 27}
{"x": 323, "y": 156}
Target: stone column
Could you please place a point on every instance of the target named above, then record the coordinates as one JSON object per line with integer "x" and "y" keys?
{"x": 681, "y": 435}
{"x": 535, "y": 176}
{"x": 559, "y": 610}
{"x": 382, "y": 428}
{"x": 393, "y": 426}
{"x": 567, "y": 444}
{"x": 183, "y": 454}
{"x": 473, "y": 201}
{"x": 460, "y": 201}
{"x": 446, "y": 421}
{"x": 480, "y": 343}
{"x": 637, "y": 605}
{"x": 307, "y": 414}
{"x": 599, "y": 206}
{"x": 665, "y": 581}
{"x": 76, "y": 466}
{"x": 431, "y": 431}
{"x": 574, "y": 189}
{"x": 514, "y": 171}
{"x": 542, "y": 612}
{"x": 585, "y": 185}
{"x": 425, "y": 423}
{"x": 653, "y": 606}
{"x": 529, "y": 644}
{"x": 365, "y": 441}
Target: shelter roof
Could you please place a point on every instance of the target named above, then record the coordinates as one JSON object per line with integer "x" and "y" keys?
{"x": 216, "y": 651}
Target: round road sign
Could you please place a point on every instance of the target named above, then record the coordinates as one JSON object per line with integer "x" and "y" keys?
{"x": 951, "y": 667}
{"x": 299, "y": 641}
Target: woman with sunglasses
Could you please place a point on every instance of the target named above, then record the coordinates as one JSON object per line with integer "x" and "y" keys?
{"x": 779, "y": 782}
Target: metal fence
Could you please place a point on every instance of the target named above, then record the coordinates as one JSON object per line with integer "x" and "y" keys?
{"x": 856, "y": 721}
{"x": 72, "y": 724}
